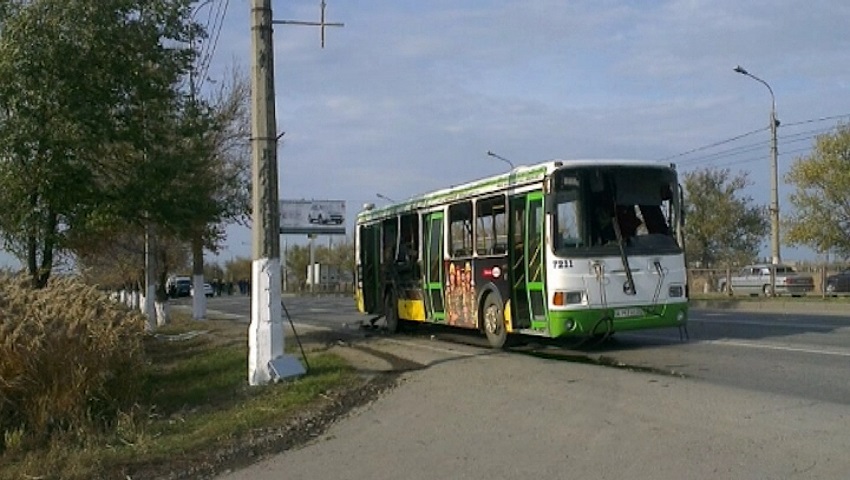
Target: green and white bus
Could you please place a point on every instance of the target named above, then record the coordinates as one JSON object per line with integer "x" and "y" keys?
{"x": 562, "y": 248}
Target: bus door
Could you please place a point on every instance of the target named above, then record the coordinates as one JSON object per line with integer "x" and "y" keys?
{"x": 528, "y": 266}
{"x": 370, "y": 267}
{"x": 434, "y": 282}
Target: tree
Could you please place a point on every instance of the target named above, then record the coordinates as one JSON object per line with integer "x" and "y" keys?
{"x": 297, "y": 260}
{"x": 115, "y": 261}
{"x": 342, "y": 255}
{"x": 222, "y": 145}
{"x": 820, "y": 218}
{"x": 722, "y": 227}
{"x": 86, "y": 106}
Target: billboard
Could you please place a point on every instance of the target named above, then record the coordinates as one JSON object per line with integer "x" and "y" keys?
{"x": 312, "y": 216}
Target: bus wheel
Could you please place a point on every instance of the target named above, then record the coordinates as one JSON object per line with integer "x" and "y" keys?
{"x": 391, "y": 313}
{"x": 494, "y": 322}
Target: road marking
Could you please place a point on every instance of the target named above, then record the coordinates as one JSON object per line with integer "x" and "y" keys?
{"x": 758, "y": 323}
{"x": 767, "y": 346}
{"x": 764, "y": 346}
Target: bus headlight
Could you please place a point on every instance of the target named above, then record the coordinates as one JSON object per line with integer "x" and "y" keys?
{"x": 561, "y": 298}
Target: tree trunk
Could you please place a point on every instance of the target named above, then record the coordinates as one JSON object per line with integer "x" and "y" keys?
{"x": 161, "y": 306}
{"x": 149, "y": 309}
{"x": 39, "y": 272}
{"x": 199, "y": 301}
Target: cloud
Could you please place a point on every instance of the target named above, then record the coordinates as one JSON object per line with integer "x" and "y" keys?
{"x": 409, "y": 96}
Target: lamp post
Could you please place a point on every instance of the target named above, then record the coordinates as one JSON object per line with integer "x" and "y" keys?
{"x": 774, "y": 185}
{"x": 501, "y": 158}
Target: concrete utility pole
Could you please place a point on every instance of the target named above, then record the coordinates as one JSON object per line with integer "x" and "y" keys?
{"x": 266, "y": 360}
{"x": 774, "y": 174}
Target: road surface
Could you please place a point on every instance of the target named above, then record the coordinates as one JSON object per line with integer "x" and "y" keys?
{"x": 751, "y": 395}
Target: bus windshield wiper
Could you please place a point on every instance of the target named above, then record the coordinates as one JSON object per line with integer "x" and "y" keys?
{"x": 629, "y": 288}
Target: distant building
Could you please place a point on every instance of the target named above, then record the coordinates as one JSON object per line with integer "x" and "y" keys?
{"x": 323, "y": 276}
{"x": 328, "y": 278}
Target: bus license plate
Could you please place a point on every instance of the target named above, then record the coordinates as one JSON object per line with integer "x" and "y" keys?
{"x": 628, "y": 312}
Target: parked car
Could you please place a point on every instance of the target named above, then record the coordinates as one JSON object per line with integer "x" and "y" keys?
{"x": 208, "y": 290}
{"x": 755, "y": 280}
{"x": 179, "y": 287}
{"x": 839, "y": 282}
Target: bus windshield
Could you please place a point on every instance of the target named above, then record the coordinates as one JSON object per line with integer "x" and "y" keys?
{"x": 589, "y": 204}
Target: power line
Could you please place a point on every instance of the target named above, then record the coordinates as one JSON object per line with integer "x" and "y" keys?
{"x": 750, "y": 147}
{"x": 712, "y": 145}
{"x": 786, "y": 139}
{"x": 206, "y": 59}
{"x": 761, "y": 158}
{"x": 822, "y": 119}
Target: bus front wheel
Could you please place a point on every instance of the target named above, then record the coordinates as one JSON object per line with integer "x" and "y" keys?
{"x": 391, "y": 313}
{"x": 494, "y": 321}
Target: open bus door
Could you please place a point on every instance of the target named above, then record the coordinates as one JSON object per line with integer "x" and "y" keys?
{"x": 434, "y": 282}
{"x": 528, "y": 289}
{"x": 370, "y": 267}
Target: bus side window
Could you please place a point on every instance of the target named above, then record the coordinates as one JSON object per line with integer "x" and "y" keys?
{"x": 460, "y": 229}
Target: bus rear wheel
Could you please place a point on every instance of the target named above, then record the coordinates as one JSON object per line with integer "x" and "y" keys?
{"x": 391, "y": 313}
{"x": 494, "y": 321}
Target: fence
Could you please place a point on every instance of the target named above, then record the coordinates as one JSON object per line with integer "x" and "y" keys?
{"x": 707, "y": 280}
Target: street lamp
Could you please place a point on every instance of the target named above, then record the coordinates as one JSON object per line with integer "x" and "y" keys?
{"x": 774, "y": 186}
{"x": 501, "y": 158}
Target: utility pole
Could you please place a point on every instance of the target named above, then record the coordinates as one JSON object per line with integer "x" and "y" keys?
{"x": 266, "y": 360}
{"x": 774, "y": 186}
{"x": 774, "y": 173}
{"x": 265, "y": 334}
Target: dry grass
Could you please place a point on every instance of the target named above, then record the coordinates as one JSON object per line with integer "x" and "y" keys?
{"x": 70, "y": 361}
{"x": 85, "y": 394}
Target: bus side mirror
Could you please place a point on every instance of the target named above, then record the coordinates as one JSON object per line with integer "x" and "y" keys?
{"x": 549, "y": 203}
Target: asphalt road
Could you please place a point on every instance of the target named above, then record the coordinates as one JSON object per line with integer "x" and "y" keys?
{"x": 804, "y": 355}
{"x": 750, "y": 395}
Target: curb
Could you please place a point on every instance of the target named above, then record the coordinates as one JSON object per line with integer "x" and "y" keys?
{"x": 779, "y": 306}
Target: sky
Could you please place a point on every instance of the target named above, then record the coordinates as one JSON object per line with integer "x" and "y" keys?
{"x": 410, "y": 95}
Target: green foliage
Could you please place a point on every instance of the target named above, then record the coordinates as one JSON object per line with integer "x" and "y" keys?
{"x": 99, "y": 137}
{"x": 86, "y": 109}
{"x": 722, "y": 228}
{"x": 238, "y": 268}
{"x": 820, "y": 218}
{"x": 340, "y": 255}
{"x": 69, "y": 360}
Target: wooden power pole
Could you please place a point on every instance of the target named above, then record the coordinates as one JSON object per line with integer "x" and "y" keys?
{"x": 266, "y": 360}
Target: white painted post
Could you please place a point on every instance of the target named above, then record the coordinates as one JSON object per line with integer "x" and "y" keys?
{"x": 199, "y": 301}
{"x": 266, "y": 361}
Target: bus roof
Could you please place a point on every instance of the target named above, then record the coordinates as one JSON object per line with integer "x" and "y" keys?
{"x": 517, "y": 177}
